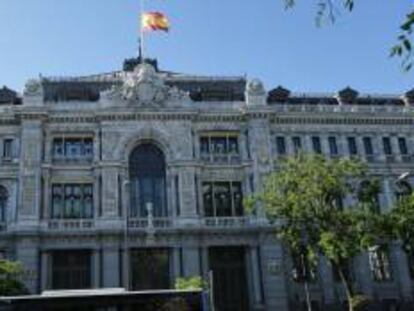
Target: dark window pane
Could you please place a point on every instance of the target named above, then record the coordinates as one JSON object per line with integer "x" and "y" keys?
{"x": 147, "y": 175}
{"x": 222, "y": 199}
{"x": 297, "y": 144}
{"x": 4, "y": 196}
{"x": 386, "y": 141}
{"x": 7, "y": 148}
{"x": 402, "y": 143}
{"x": 71, "y": 269}
{"x": 281, "y": 145}
{"x": 150, "y": 269}
{"x": 237, "y": 198}
{"x": 316, "y": 144}
{"x": 204, "y": 146}
{"x": 380, "y": 264}
{"x": 233, "y": 145}
{"x": 367, "y": 141}
{"x": 333, "y": 147}
{"x": 208, "y": 200}
{"x": 58, "y": 149}
{"x": 353, "y": 149}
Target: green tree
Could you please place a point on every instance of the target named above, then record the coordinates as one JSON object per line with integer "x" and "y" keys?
{"x": 304, "y": 199}
{"x": 328, "y": 9}
{"x": 401, "y": 222}
{"x": 10, "y": 275}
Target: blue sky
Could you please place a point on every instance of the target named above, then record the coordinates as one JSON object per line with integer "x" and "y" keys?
{"x": 220, "y": 37}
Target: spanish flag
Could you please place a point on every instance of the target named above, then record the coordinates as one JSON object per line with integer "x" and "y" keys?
{"x": 152, "y": 21}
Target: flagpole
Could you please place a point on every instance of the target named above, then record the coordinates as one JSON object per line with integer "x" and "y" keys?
{"x": 141, "y": 39}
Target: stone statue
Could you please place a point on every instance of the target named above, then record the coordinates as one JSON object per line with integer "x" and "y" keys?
{"x": 144, "y": 87}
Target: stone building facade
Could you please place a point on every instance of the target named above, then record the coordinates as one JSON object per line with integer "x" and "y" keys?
{"x": 134, "y": 178}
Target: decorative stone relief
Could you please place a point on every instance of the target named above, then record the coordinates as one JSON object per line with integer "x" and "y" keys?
{"x": 145, "y": 88}
{"x": 33, "y": 87}
{"x": 255, "y": 93}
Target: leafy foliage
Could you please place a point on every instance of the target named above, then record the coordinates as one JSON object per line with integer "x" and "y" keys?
{"x": 10, "y": 273}
{"x": 192, "y": 283}
{"x": 401, "y": 222}
{"x": 303, "y": 199}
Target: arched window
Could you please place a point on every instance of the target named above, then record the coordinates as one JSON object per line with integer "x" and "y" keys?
{"x": 147, "y": 176}
{"x": 3, "y": 203}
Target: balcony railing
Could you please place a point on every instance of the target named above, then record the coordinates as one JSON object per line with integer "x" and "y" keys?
{"x": 219, "y": 158}
{"x": 144, "y": 223}
{"x": 70, "y": 224}
{"x": 229, "y": 222}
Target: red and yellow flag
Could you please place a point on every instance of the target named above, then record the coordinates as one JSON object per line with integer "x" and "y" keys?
{"x": 151, "y": 21}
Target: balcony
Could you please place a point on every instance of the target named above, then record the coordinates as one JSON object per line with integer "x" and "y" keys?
{"x": 219, "y": 158}
{"x": 153, "y": 223}
{"x": 70, "y": 224}
{"x": 232, "y": 222}
{"x": 73, "y": 160}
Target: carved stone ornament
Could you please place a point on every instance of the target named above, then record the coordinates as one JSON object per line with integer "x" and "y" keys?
{"x": 144, "y": 87}
{"x": 255, "y": 87}
{"x": 33, "y": 87}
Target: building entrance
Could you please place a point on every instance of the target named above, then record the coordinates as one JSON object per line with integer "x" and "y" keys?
{"x": 229, "y": 278}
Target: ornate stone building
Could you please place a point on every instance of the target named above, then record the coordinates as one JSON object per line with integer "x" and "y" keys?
{"x": 134, "y": 178}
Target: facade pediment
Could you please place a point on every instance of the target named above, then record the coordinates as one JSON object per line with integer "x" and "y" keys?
{"x": 144, "y": 87}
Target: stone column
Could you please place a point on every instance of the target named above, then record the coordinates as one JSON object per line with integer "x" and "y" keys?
{"x": 176, "y": 264}
{"x": 46, "y": 269}
{"x": 126, "y": 268}
{"x": 343, "y": 146}
{"x": 187, "y": 197}
{"x": 191, "y": 262}
{"x": 274, "y": 278}
{"x": 110, "y": 266}
{"x": 395, "y": 148}
{"x": 30, "y": 174}
{"x": 255, "y": 277}
{"x": 388, "y": 194}
{"x": 327, "y": 281}
{"x": 401, "y": 271}
{"x": 27, "y": 253}
{"x": 378, "y": 148}
{"x": 95, "y": 269}
{"x": 363, "y": 274}
{"x": 109, "y": 191}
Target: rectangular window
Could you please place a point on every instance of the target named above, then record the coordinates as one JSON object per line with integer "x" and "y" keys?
{"x": 71, "y": 269}
{"x": 220, "y": 147}
{"x": 380, "y": 264}
{"x": 8, "y": 148}
{"x": 386, "y": 141}
{"x": 316, "y": 144}
{"x": 369, "y": 150}
{"x": 72, "y": 201}
{"x": 402, "y": 144}
{"x": 297, "y": 144}
{"x": 281, "y": 145}
{"x": 333, "y": 146}
{"x": 222, "y": 199}
{"x": 352, "y": 146}
{"x": 73, "y": 148}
